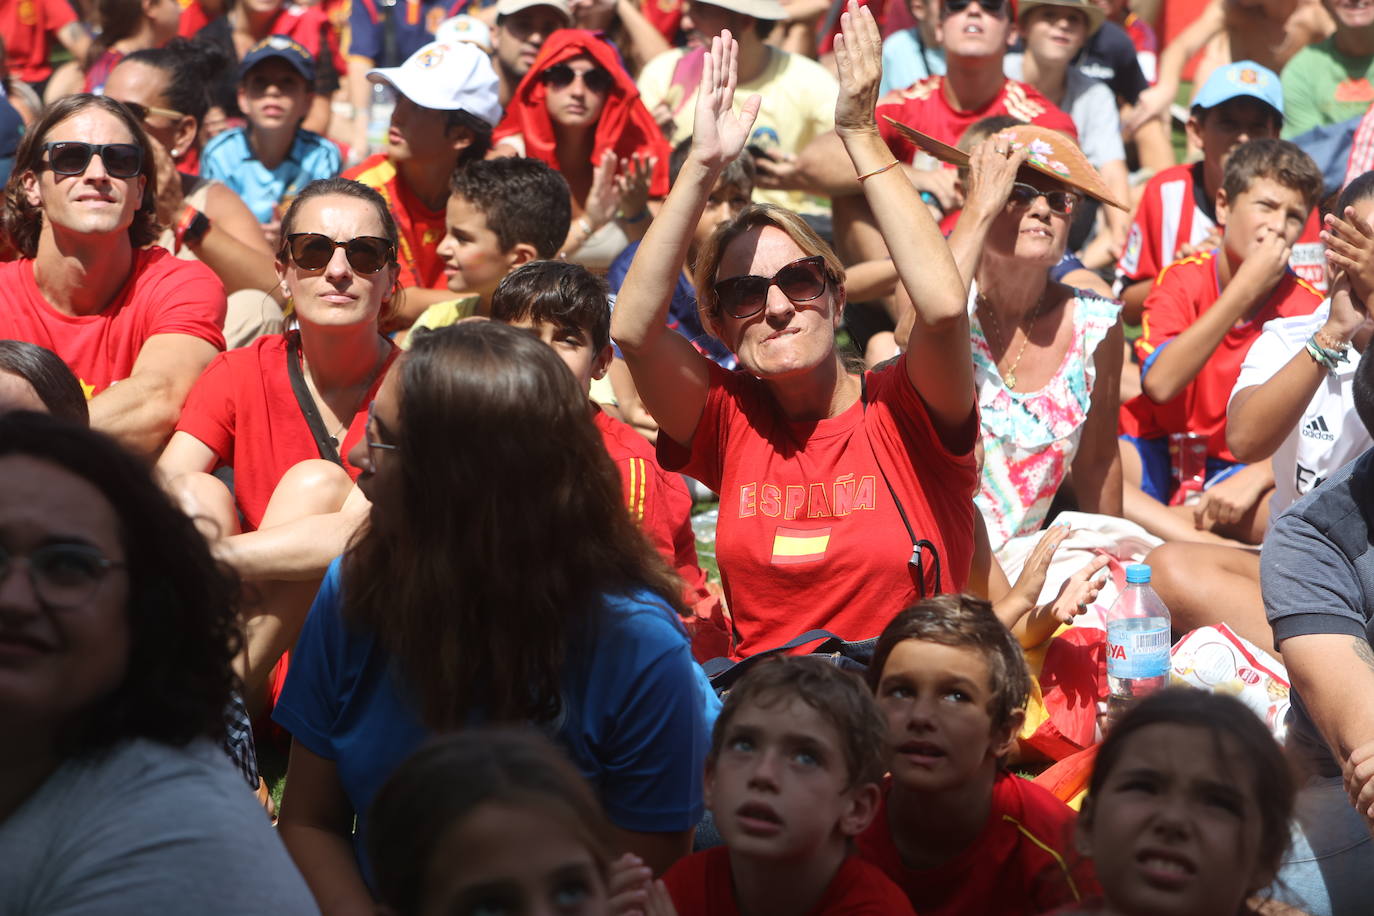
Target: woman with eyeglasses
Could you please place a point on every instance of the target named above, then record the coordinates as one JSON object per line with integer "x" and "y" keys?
{"x": 284, "y": 412}
{"x": 499, "y": 580}
{"x": 579, "y": 111}
{"x": 1047, "y": 357}
{"x": 117, "y": 633}
{"x": 844, "y": 496}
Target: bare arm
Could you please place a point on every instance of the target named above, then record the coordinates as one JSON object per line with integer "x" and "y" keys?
{"x": 672, "y": 377}
{"x": 234, "y": 246}
{"x": 1155, "y": 101}
{"x": 1133, "y": 297}
{"x": 1097, "y": 466}
{"x": 315, "y": 825}
{"x": 297, "y": 550}
{"x": 142, "y": 410}
{"x": 360, "y": 94}
{"x": 1334, "y": 675}
{"x": 76, "y": 39}
{"x": 646, "y": 42}
{"x": 184, "y": 454}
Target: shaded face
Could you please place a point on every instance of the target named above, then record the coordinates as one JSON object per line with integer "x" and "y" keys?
{"x": 1032, "y": 233}
{"x": 725, "y": 203}
{"x": 17, "y": 394}
{"x": 512, "y": 859}
{"x": 143, "y": 85}
{"x": 274, "y": 96}
{"x": 937, "y": 702}
{"x": 57, "y": 661}
{"x": 381, "y": 466}
{"x": 574, "y": 346}
{"x": 975, "y": 32}
{"x": 519, "y": 36}
{"x": 703, "y": 21}
{"x": 166, "y": 16}
{"x": 1220, "y": 129}
{"x": 1175, "y": 828}
{"x": 786, "y": 338}
{"x": 576, "y": 105}
{"x": 1351, "y": 14}
{"x": 778, "y": 786}
{"x": 336, "y": 295}
{"x": 471, "y": 251}
{"x": 1055, "y": 33}
{"x": 1264, "y": 209}
{"x": 94, "y": 202}
{"x": 420, "y": 134}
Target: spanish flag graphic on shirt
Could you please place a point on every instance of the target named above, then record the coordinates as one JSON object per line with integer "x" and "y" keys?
{"x": 799, "y": 545}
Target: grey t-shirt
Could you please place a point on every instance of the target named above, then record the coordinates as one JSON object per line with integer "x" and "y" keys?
{"x": 146, "y": 828}
{"x": 1317, "y": 575}
{"x": 1092, "y": 107}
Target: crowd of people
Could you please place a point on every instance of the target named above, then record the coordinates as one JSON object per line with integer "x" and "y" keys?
{"x": 369, "y": 371}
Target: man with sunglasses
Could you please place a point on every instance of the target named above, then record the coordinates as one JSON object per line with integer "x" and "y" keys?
{"x": 134, "y": 323}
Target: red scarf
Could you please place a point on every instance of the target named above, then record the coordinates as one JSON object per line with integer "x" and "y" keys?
{"x": 625, "y": 125}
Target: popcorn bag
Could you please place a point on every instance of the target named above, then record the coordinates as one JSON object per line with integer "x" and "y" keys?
{"x": 1216, "y": 659}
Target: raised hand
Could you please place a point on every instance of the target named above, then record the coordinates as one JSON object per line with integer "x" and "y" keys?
{"x": 632, "y": 184}
{"x": 1350, "y": 247}
{"x": 992, "y": 171}
{"x": 859, "y": 61}
{"x": 604, "y": 197}
{"x": 719, "y": 134}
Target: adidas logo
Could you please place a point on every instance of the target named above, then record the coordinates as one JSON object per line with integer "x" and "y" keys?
{"x": 1318, "y": 429}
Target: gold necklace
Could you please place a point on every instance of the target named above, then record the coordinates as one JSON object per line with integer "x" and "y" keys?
{"x": 1010, "y": 375}
{"x": 319, "y": 398}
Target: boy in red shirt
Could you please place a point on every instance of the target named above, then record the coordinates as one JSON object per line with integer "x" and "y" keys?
{"x": 791, "y": 778}
{"x": 1199, "y": 321}
{"x": 958, "y": 833}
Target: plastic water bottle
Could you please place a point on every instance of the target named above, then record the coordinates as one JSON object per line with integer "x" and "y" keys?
{"x": 379, "y": 116}
{"x": 1138, "y": 642}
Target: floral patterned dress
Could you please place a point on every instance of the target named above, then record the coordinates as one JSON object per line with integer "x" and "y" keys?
{"x": 1031, "y": 437}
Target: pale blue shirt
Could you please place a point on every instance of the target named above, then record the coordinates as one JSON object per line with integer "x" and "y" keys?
{"x": 229, "y": 158}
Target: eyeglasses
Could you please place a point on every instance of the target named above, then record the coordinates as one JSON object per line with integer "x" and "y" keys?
{"x": 141, "y": 112}
{"x": 996, "y": 8}
{"x": 372, "y": 443}
{"x": 800, "y": 281}
{"x": 366, "y": 254}
{"x": 1062, "y": 202}
{"x": 72, "y": 157}
{"x": 595, "y": 79}
{"x": 62, "y": 575}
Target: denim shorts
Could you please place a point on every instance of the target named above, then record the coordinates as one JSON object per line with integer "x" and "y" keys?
{"x": 1329, "y": 871}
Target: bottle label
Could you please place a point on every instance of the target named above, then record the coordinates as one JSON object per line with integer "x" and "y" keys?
{"x": 1138, "y": 647}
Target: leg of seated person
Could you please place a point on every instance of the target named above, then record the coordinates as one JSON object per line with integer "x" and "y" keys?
{"x": 208, "y": 502}
{"x": 1167, "y": 522}
{"x": 1203, "y": 585}
{"x": 251, "y": 314}
{"x": 312, "y": 487}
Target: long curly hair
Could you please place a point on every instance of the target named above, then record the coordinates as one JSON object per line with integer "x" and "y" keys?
{"x": 22, "y": 222}
{"x": 183, "y": 619}
{"x": 504, "y": 530}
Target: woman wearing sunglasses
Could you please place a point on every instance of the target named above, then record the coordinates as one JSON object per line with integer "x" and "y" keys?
{"x": 284, "y": 411}
{"x": 828, "y": 479}
{"x": 579, "y": 111}
{"x": 1047, "y": 358}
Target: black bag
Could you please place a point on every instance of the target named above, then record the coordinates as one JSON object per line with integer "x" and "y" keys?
{"x": 851, "y": 656}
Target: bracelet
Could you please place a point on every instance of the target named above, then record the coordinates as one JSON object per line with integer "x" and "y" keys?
{"x": 1327, "y": 342}
{"x": 640, "y": 217}
{"x": 893, "y": 164}
{"x": 1328, "y": 358}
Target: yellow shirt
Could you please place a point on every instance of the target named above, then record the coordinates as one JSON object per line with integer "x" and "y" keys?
{"x": 443, "y": 314}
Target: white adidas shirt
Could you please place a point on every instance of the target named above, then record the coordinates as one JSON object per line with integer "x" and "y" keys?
{"x": 1330, "y": 433}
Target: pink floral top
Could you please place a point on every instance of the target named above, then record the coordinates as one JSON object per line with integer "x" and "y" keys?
{"x": 1031, "y": 437}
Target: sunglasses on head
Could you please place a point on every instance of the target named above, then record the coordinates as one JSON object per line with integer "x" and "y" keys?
{"x": 366, "y": 254}
{"x": 800, "y": 281}
{"x": 141, "y": 111}
{"x": 1023, "y": 195}
{"x": 560, "y": 75}
{"x": 996, "y": 8}
{"x": 71, "y": 157}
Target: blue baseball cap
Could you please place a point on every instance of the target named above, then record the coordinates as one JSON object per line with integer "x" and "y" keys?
{"x": 293, "y": 52}
{"x": 1243, "y": 78}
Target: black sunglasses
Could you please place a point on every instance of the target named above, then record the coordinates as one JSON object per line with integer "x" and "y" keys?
{"x": 595, "y": 79}
{"x": 800, "y": 281}
{"x": 997, "y": 8}
{"x": 71, "y": 157}
{"x": 1023, "y": 195}
{"x": 366, "y": 254}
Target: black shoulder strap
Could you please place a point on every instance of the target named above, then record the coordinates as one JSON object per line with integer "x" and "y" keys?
{"x": 918, "y": 545}
{"x": 324, "y": 443}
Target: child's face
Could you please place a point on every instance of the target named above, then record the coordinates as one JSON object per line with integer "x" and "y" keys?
{"x": 421, "y": 135}
{"x": 574, "y": 346}
{"x": 778, "y": 787}
{"x": 1054, "y": 32}
{"x": 725, "y": 203}
{"x": 1222, "y": 128}
{"x": 273, "y": 95}
{"x": 511, "y": 859}
{"x": 1264, "y": 209}
{"x": 936, "y": 699}
{"x": 473, "y": 258}
{"x": 1175, "y": 828}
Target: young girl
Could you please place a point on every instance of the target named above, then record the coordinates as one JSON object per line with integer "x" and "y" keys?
{"x": 1187, "y": 811}
{"x": 489, "y": 821}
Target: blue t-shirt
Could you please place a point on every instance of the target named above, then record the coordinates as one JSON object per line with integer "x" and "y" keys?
{"x": 637, "y": 710}
{"x": 229, "y": 158}
{"x": 683, "y": 316}
{"x": 414, "y": 25}
{"x": 907, "y": 60}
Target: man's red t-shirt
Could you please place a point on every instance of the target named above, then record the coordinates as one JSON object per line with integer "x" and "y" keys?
{"x": 27, "y": 27}
{"x": 163, "y": 295}
{"x": 808, "y": 535}
{"x": 658, "y": 500}
{"x": 244, "y": 409}
{"x": 421, "y": 229}
{"x": 1021, "y": 864}
{"x": 1184, "y": 291}
{"x": 925, "y": 108}
{"x": 700, "y": 885}
{"x": 1174, "y": 212}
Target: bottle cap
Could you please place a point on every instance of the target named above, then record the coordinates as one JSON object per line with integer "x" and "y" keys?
{"x": 1138, "y": 574}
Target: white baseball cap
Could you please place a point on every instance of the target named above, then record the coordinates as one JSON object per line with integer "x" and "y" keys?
{"x": 448, "y": 77}
{"x": 509, "y": 7}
